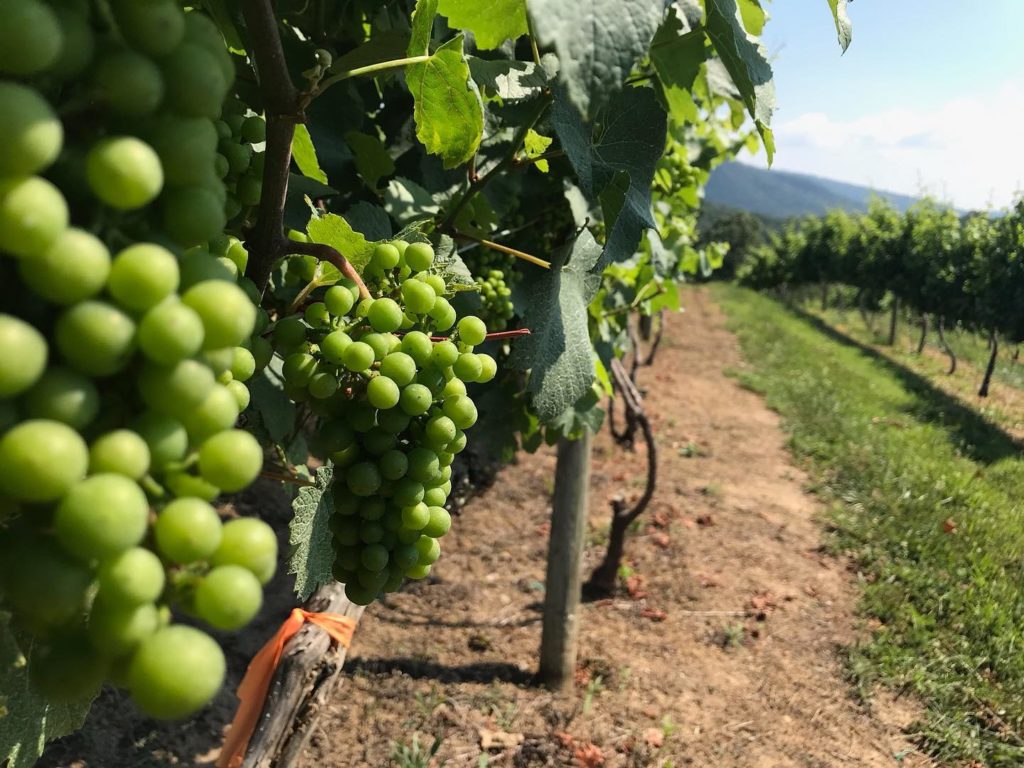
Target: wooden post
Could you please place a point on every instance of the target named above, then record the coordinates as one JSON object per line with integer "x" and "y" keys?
{"x": 892, "y": 320}
{"x": 565, "y": 561}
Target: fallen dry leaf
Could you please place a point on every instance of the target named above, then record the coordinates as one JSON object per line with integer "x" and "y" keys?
{"x": 499, "y": 739}
{"x": 653, "y": 614}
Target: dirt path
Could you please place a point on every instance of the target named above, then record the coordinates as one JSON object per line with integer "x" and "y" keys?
{"x": 726, "y": 653}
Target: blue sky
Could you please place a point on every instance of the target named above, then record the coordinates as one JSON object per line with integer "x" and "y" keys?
{"x": 929, "y": 97}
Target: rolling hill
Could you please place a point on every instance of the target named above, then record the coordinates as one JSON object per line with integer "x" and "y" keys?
{"x": 783, "y": 194}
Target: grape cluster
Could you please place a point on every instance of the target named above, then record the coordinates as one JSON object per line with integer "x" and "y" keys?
{"x": 122, "y": 359}
{"x": 240, "y": 158}
{"x": 393, "y": 409}
{"x": 495, "y": 299}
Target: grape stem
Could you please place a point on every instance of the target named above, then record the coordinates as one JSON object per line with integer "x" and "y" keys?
{"x": 369, "y": 69}
{"x": 505, "y": 249}
{"x": 286, "y": 477}
{"x": 324, "y": 252}
{"x": 493, "y": 336}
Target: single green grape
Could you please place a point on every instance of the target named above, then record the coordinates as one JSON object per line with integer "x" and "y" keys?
{"x": 33, "y": 215}
{"x": 339, "y": 300}
{"x": 439, "y": 524}
{"x": 416, "y": 399}
{"x": 250, "y": 543}
{"x": 227, "y": 313}
{"x": 101, "y": 516}
{"x": 31, "y": 134}
{"x": 95, "y": 337}
{"x": 472, "y": 330}
{"x": 461, "y": 410}
{"x": 231, "y": 460}
{"x": 132, "y": 577}
{"x": 363, "y": 479}
{"x": 419, "y": 256}
{"x": 166, "y": 437}
{"x": 121, "y": 452}
{"x": 418, "y": 296}
{"x": 40, "y": 460}
{"x": 228, "y": 597}
{"x": 384, "y": 315}
{"x": 73, "y": 268}
{"x": 175, "y": 671}
{"x": 124, "y": 172}
{"x": 23, "y": 358}
{"x": 358, "y": 356}
{"x": 63, "y": 395}
{"x": 467, "y": 367}
{"x": 383, "y": 392}
{"x": 187, "y": 530}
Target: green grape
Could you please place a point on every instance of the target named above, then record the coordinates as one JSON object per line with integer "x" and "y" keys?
{"x": 120, "y": 452}
{"x": 434, "y": 497}
{"x": 418, "y": 296}
{"x": 262, "y": 352}
{"x": 227, "y": 313}
{"x": 317, "y": 315}
{"x": 116, "y": 629}
{"x": 399, "y": 367}
{"x": 289, "y": 333}
{"x": 382, "y": 392}
{"x": 453, "y": 387}
{"x": 434, "y": 281}
{"x": 333, "y": 346}
{"x": 184, "y": 484}
{"x": 193, "y": 214}
{"x": 231, "y": 460}
{"x": 467, "y": 367}
{"x": 218, "y": 360}
{"x": 393, "y": 465}
{"x": 432, "y": 378}
{"x": 363, "y": 479}
{"x": 142, "y": 276}
{"x": 394, "y": 421}
{"x": 31, "y": 135}
{"x": 373, "y": 581}
{"x": 362, "y": 417}
{"x": 298, "y": 368}
{"x": 423, "y": 464}
{"x": 461, "y": 410}
{"x": 440, "y": 431}
{"x": 250, "y": 191}
{"x": 408, "y": 535}
{"x": 380, "y": 343}
{"x": 187, "y": 530}
{"x": 374, "y": 557}
{"x": 254, "y": 130}
{"x": 40, "y": 460}
{"x": 195, "y": 82}
{"x": 128, "y": 83}
{"x": 101, "y": 516}
{"x": 65, "y": 396}
{"x": 243, "y": 364}
{"x": 95, "y": 337}
{"x": 30, "y": 37}
{"x": 372, "y": 509}
{"x": 177, "y": 389}
{"x": 429, "y": 550}
{"x": 238, "y": 254}
{"x": 23, "y": 355}
{"x": 370, "y": 531}
{"x": 386, "y": 256}
{"x": 198, "y": 265}
{"x": 440, "y": 523}
{"x": 458, "y": 444}
{"x": 132, "y": 577}
{"x": 175, "y": 671}
{"x": 384, "y": 315}
{"x": 378, "y": 441}
{"x": 228, "y": 597}
{"x": 472, "y": 330}
{"x": 219, "y": 411}
{"x": 339, "y": 300}
{"x": 186, "y": 147}
{"x": 358, "y": 594}
{"x": 416, "y": 399}
{"x": 488, "y": 369}
{"x": 358, "y": 356}
{"x": 323, "y": 385}
{"x": 418, "y": 346}
{"x": 418, "y": 572}
{"x": 414, "y": 518}
{"x": 200, "y": 30}
{"x": 33, "y": 214}
{"x": 419, "y": 256}
{"x": 445, "y": 458}
{"x": 251, "y": 544}
{"x": 345, "y": 530}
{"x": 41, "y": 582}
{"x": 166, "y": 438}
{"x": 73, "y": 268}
{"x": 79, "y": 45}
{"x": 124, "y": 172}
{"x": 155, "y": 27}
{"x": 443, "y": 314}
{"x": 444, "y": 354}
{"x": 404, "y": 556}
{"x": 241, "y": 394}
{"x": 238, "y": 156}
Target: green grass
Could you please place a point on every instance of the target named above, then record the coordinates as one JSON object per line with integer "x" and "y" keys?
{"x": 895, "y": 458}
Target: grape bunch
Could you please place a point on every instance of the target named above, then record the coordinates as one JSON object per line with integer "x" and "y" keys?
{"x": 391, "y": 397}
{"x": 122, "y": 357}
{"x": 495, "y": 299}
{"x": 239, "y": 162}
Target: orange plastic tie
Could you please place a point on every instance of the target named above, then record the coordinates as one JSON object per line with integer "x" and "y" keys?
{"x": 252, "y": 691}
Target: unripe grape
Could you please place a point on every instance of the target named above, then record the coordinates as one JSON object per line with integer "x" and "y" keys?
{"x": 196, "y": 85}
{"x": 186, "y": 146}
{"x": 132, "y": 577}
{"x": 33, "y": 214}
{"x": 443, "y": 314}
{"x": 187, "y": 530}
{"x": 243, "y": 364}
{"x": 298, "y": 368}
{"x": 429, "y": 550}
{"x": 323, "y": 385}
{"x": 363, "y": 479}
{"x": 467, "y": 367}
{"x": 40, "y": 460}
{"x": 384, "y": 315}
{"x": 63, "y": 395}
{"x": 439, "y": 524}
{"x": 472, "y": 330}
{"x": 358, "y": 356}
{"x": 122, "y": 452}
{"x": 419, "y": 256}
{"x": 399, "y": 367}
{"x": 250, "y": 543}
{"x": 231, "y": 460}
{"x": 333, "y": 346}
{"x": 393, "y": 465}
{"x": 175, "y": 389}
{"x": 339, "y": 300}
{"x": 193, "y": 214}
{"x": 416, "y": 399}
{"x": 101, "y": 516}
{"x": 444, "y": 354}
{"x": 30, "y": 37}
{"x": 461, "y": 410}
{"x": 128, "y": 83}
{"x": 115, "y": 629}
{"x": 155, "y": 27}
{"x": 317, "y": 315}
{"x": 418, "y": 296}
{"x": 95, "y": 337}
{"x": 175, "y": 671}
{"x": 254, "y": 130}
{"x": 241, "y": 394}
{"x": 382, "y": 392}
{"x": 124, "y": 172}
{"x": 219, "y": 411}
{"x": 228, "y": 597}
{"x": 165, "y": 436}
{"x": 416, "y": 516}
{"x": 73, "y": 268}
{"x": 374, "y": 557}
{"x": 31, "y": 135}
{"x": 227, "y": 313}
{"x": 142, "y": 275}
{"x": 23, "y": 355}
{"x": 79, "y": 42}
{"x": 488, "y": 369}
{"x": 289, "y": 333}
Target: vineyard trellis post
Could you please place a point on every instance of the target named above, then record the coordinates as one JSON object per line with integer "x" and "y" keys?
{"x": 563, "y": 584}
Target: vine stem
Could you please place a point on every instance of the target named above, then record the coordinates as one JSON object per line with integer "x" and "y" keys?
{"x": 506, "y": 249}
{"x": 286, "y": 477}
{"x": 324, "y": 252}
{"x": 497, "y": 335}
{"x": 369, "y": 69}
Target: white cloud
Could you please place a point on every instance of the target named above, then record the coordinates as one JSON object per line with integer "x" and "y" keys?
{"x": 969, "y": 151}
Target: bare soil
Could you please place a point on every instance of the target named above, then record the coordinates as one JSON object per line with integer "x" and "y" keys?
{"x": 724, "y": 647}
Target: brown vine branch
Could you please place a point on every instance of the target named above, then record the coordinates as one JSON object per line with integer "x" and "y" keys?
{"x": 324, "y": 252}
{"x": 266, "y": 241}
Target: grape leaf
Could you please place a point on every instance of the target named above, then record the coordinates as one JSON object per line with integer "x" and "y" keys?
{"x": 449, "y": 265}
{"x": 372, "y": 159}
{"x": 386, "y": 45}
{"x": 626, "y": 143}
{"x": 513, "y": 80}
{"x": 844, "y": 27}
{"x": 334, "y": 231}
{"x": 746, "y": 63}
{"x": 27, "y": 721}
{"x": 597, "y": 42}
{"x": 406, "y": 201}
{"x": 309, "y": 534}
{"x": 448, "y": 113}
{"x": 305, "y": 155}
{"x": 276, "y": 411}
{"x": 422, "y": 25}
{"x": 492, "y": 22}
{"x": 370, "y": 219}
{"x": 677, "y": 51}
{"x": 558, "y": 353}
{"x": 535, "y": 145}
{"x": 753, "y": 16}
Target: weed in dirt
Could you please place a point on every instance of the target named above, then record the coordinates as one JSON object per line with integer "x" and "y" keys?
{"x": 691, "y": 450}
{"x": 731, "y": 635}
{"x": 927, "y": 495}
{"x": 594, "y": 687}
{"x": 413, "y": 754}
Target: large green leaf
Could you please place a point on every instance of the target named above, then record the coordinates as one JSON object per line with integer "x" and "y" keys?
{"x": 448, "y": 113}
{"x": 746, "y": 63}
{"x": 406, "y": 201}
{"x": 615, "y": 159}
{"x": 422, "y": 25}
{"x": 386, "y": 45}
{"x": 513, "y": 80}
{"x": 305, "y": 155}
{"x": 309, "y": 534}
{"x": 334, "y": 231}
{"x": 372, "y": 159}
{"x": 678, "y": 50}
{"x": 492, "y": 22}
{"x": 844, "y": 27}
{"x": 557, "y": 352}
{"x": 598, "y": 42}
{"x": 27, "y": 721}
